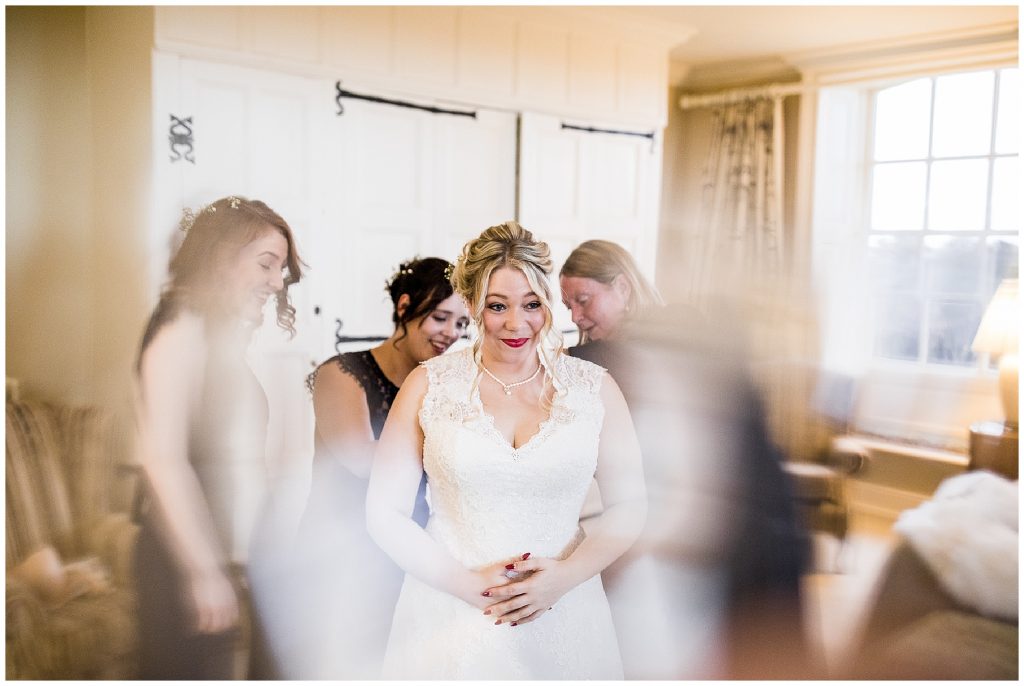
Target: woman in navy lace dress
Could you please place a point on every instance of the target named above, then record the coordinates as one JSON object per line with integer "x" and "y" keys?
{"x": 348, "y": 586}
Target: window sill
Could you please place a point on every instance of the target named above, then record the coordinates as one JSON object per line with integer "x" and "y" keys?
{"x": 897, "y": 476}
{"x": 907, "y": 467}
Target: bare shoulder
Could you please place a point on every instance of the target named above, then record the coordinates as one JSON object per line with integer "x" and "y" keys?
{"x": 610, "y": 391}
{"x": 334, "y": 382}
{"x": 179, "y": 342}
{"x": 415, "y": 385}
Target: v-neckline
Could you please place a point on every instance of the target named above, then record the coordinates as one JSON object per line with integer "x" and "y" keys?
{"x": 500, "y": 437}
{"x": 542, "y": 427}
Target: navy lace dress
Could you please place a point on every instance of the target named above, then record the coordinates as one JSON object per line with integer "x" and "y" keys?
{"x": 380, "y": 394}
{"x": 345, "y": 586}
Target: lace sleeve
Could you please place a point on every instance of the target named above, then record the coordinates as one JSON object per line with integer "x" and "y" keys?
{"x": 311, "y": 377}
{"x": 448, "y": 384}
{"x": 582, "y": 375}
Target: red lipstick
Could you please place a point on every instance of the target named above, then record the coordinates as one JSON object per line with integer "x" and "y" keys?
{"x": 514, "y": 342}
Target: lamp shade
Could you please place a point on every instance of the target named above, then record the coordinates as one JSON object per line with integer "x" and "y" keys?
{"x": 998, "y": 333}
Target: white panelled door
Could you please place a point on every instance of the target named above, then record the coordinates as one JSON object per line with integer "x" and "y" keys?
{"x": 576, "y": 185}
{"x": 403, "y": 182}
{"x": 474, "y": 177}
{"x": 377, "y": 190}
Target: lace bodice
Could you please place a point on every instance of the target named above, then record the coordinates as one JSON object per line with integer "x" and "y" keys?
{"x": 491, "y": 500}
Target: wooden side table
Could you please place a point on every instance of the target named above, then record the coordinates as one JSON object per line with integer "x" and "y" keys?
{"x": 994, "y": 446}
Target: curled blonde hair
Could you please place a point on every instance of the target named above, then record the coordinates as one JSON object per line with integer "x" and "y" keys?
{"x": 509, "y": 245}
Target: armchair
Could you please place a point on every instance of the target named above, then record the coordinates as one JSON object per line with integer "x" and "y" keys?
{"x": 70, "y": 602}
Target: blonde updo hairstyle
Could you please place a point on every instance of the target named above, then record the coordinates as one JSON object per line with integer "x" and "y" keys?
{"x": 509, "y": 245}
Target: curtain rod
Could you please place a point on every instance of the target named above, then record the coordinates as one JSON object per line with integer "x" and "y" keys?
{"x": 775, "y": 90}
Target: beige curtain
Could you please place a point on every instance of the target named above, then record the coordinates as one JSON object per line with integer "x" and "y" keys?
{"x": 741, "y": 256}
{"x": 742, "y": 238}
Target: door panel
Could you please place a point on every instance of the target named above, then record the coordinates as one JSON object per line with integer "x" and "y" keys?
{"x": 474, "y": 177}
{"x": 576, "y": 185}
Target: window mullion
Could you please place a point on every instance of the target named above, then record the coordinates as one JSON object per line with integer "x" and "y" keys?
{"x": 922, "y": 281}
{"x": 997, "y": 94}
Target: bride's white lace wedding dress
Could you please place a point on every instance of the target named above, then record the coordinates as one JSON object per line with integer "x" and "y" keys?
{"x": 490, "y": 502}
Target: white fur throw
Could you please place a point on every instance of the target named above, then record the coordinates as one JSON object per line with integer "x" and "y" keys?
{"x": 967, "y": 535}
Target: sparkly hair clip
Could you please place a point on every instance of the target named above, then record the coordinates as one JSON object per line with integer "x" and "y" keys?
{"x": 188, "y": 215}
{"x": 188, "y": 218}
{"x": 401, "y": 271}
{"x": 448, "y": 271}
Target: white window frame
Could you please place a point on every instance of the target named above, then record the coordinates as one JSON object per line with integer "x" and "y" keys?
{"x": 926, "y": 404}
{"x": 983, "y": 234}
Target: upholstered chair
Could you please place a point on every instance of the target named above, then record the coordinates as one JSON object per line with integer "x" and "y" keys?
{"x": 70, "y": 605}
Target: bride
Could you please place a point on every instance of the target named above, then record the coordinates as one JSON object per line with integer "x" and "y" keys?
{"x": 502, "y": 583}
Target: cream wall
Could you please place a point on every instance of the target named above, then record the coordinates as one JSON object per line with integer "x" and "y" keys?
{"x": 49, "y": 155}
{"x": 78, "y": 129}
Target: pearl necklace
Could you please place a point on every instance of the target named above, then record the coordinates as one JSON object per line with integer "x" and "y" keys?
{"x": 509, "y": 386}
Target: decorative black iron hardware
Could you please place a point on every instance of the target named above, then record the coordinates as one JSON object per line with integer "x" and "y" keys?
{"x": 181, "y": 135}
{"x": 590, "y": 129}
{"x": 339, "y": 339}
{"x": 342, "y": 93}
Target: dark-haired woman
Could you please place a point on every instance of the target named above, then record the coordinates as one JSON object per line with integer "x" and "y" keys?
{"x": 350, "y": 587}
{"x": 202, "y": 418}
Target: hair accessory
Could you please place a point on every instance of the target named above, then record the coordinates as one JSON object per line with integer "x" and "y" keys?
{"x": 188, "y": 215}
{"x": 402, "y": 271}
{"x": 188, "y": 218}
{"x": 448, "y": 271}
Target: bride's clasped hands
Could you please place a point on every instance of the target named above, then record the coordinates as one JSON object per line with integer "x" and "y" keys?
{"x": 534, "y": 586}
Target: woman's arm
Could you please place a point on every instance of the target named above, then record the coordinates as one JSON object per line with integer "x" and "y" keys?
{"x": 170, "y": 384}
{"x": 621, "y": 481}
{"x": 343, "y": 419}
{"x": 394, "y": 482}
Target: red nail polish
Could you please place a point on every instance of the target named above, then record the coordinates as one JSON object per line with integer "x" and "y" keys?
{"x": 514, "y": 623}
{"x": 497, "y": 622}
{"x": 510, "y": 566}
{"x": 486, "y": 594}
{"x": 487, "y": 612}
{"x": 526, "y": 556}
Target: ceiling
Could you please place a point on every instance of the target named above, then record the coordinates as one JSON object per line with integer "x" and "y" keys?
{"x": 724, "y": 33}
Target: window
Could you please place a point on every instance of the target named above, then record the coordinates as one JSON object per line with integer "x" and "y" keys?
{"x": 944, "y": 212}
{"x": 915, "y": 223}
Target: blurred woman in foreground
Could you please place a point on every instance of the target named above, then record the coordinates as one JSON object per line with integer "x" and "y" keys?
{"x": 202, "y": 418}
{"x": 712, "y": 587}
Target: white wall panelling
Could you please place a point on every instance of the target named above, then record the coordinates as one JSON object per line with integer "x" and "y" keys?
{"x": 487, "y": 52}
{"x": 542, "y": 59}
